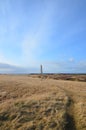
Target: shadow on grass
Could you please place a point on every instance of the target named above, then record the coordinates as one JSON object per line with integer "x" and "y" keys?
{"x": 70, "y": 123}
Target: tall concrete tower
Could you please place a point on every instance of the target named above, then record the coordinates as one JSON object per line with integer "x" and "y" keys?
{"x": 41, "y": 69}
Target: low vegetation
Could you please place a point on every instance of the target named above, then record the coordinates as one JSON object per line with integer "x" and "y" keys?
{"x": 28, "y": 103}
{"x": 70, "y": 77}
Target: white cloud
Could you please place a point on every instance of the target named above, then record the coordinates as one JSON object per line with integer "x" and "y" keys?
{"x": 4, "y": 6}
{"x": 8, "y": 69}
{"x": 34, "y": 39}
{"x": 65, "y": 66}
{"x": 1, "y": 57}
{"x": 6, "y": 60}
{"x": 71, "y": 60}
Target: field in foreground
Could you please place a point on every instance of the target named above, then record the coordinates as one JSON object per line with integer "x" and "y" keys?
{"x": 32, "y": 103}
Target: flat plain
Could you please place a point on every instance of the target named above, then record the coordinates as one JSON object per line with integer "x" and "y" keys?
{"x": 32, "y": 102}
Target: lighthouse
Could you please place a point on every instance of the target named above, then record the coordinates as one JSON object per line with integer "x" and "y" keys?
{"x": 41, "y": 69}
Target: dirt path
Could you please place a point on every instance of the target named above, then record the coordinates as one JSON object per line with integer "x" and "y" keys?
{"x": 76, "y": 110}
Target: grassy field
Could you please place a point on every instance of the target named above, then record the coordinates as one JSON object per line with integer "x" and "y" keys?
{"x": 28, "y": 102}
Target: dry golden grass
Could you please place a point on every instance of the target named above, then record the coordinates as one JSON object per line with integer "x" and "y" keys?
{"x": 28, "y": 103}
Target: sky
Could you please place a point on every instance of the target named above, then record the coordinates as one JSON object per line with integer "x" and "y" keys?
{"x": 47, "y": 32}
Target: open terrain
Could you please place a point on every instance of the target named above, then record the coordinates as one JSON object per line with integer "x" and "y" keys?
{"x": 28, "y": 102}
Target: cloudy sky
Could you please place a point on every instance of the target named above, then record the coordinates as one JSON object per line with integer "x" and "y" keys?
{"x": 47, "y": 32}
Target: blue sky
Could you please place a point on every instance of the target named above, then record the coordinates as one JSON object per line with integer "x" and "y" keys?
{"x": 48, "y": 32}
